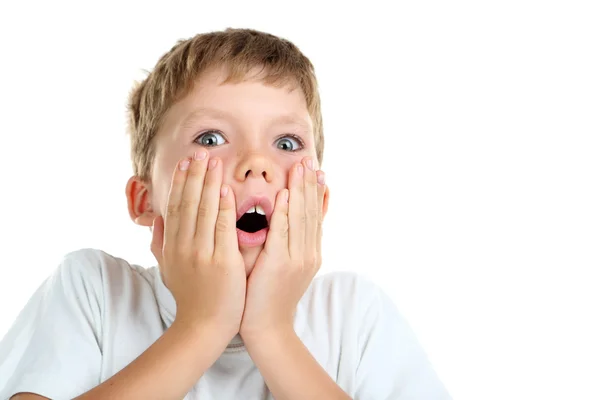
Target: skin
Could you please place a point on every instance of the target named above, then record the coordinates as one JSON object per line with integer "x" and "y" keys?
{"x": 252, "y": 163}
{"x": 219, "y": 286}
{"x": 257, "y": 125}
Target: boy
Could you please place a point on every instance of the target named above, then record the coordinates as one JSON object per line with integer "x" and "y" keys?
{"x": 226, "y": 140}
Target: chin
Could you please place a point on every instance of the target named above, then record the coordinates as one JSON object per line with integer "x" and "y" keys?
{"x": 250, "y": 255}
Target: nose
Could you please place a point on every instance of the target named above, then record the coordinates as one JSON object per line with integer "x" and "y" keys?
{"x": 254, "y": 166}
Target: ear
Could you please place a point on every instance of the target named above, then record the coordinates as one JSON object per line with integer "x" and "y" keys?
{"x": 138, "y": 202}
{"x": 325, "y": 201}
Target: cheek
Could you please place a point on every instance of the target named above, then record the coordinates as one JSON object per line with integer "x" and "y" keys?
{"x": 228, "y": 158}
{"x": 161, "y": 185}
{"x": 288, "y": 164}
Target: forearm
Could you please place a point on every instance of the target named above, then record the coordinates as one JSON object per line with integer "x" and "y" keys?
{"x": 289, "y": 370}
{"x": 166, "y": 370}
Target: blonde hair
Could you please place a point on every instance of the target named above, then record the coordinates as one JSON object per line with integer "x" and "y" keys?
{"x": 240, "y": 51}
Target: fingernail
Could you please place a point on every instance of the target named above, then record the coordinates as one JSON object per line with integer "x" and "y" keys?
{"x": 309, "y": 164}
{"x": 300, "y": 169}
{"x": 212, "y": 163}
{"x": 200, "y": 154}
{"x": 184, "y": 164}
{"x": 224, "y": 190}
{"x": 286, "y": 196}
{"x": 321, "y": 178}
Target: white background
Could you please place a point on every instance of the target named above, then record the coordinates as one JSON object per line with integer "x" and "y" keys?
{"x": 462, "y": 151}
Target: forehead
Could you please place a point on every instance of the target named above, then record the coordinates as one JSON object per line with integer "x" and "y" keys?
{"x": 213, "y": 97}
{"x": 218, "y": 82}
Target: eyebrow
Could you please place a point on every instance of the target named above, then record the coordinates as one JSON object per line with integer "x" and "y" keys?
{"x": 199, "y": 113}
{"x": 292, "y": 119}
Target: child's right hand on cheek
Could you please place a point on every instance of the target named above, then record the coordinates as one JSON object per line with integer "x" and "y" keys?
{"x": 197, "y": 250}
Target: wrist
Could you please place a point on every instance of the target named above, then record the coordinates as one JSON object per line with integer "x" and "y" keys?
{"x": 271, "y": 335}
{"x": 205, "y": 332}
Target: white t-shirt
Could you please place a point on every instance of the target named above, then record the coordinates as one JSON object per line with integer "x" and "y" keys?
{"x": 96, "y": 313}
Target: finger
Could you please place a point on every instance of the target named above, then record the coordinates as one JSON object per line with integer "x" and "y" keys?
{"x": 226, "y": 242}
{"x": 192, "y": 192}
{"x": 296, "y": 213}
{"x": 321, "y": 198}
{"x": 173, "y": 212}
{"x": 156, "y": 246}
{"x": 208, "y": 210}
{"x": 277, "y": 239}
{"x": 311, "y": 208}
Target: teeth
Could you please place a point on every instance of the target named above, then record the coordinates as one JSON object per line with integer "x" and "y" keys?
{"x": 256, "y": 209}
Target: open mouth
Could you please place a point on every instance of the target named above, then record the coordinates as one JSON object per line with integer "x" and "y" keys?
{"x": 253, "y": 220}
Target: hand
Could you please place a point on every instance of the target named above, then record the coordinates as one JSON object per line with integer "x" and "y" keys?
{"x": 291, "y": 256}
{"x": 197, "y": 249}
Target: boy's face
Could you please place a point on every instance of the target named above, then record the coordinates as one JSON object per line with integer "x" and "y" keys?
{"x": 258, "y": 131}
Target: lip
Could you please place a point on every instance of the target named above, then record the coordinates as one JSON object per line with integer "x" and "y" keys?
{"x": 252, "y": 201}
{"x": 247, "y": 239}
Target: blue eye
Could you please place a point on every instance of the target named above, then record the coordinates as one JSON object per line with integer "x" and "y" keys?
{"x": 210, "y": 139}
{"x": 290, "y": 143}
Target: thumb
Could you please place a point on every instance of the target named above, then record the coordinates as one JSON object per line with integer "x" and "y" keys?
{"x": 158, "y": 231}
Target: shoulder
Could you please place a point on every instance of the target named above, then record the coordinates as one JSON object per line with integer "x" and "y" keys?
{"x": 95, "y": 270}
{"x": 77, "y": 269}
{"x": 90, "y": 259}
{"x": 86, "y": 261}
{"x": 375, "y": 344}
{"x": 345, "y": 285}
{"x": 343, "y": 293}
{"x": 346, "y": 310}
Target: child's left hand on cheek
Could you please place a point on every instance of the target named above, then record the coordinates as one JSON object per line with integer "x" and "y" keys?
{"x": 291, "y": 256}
